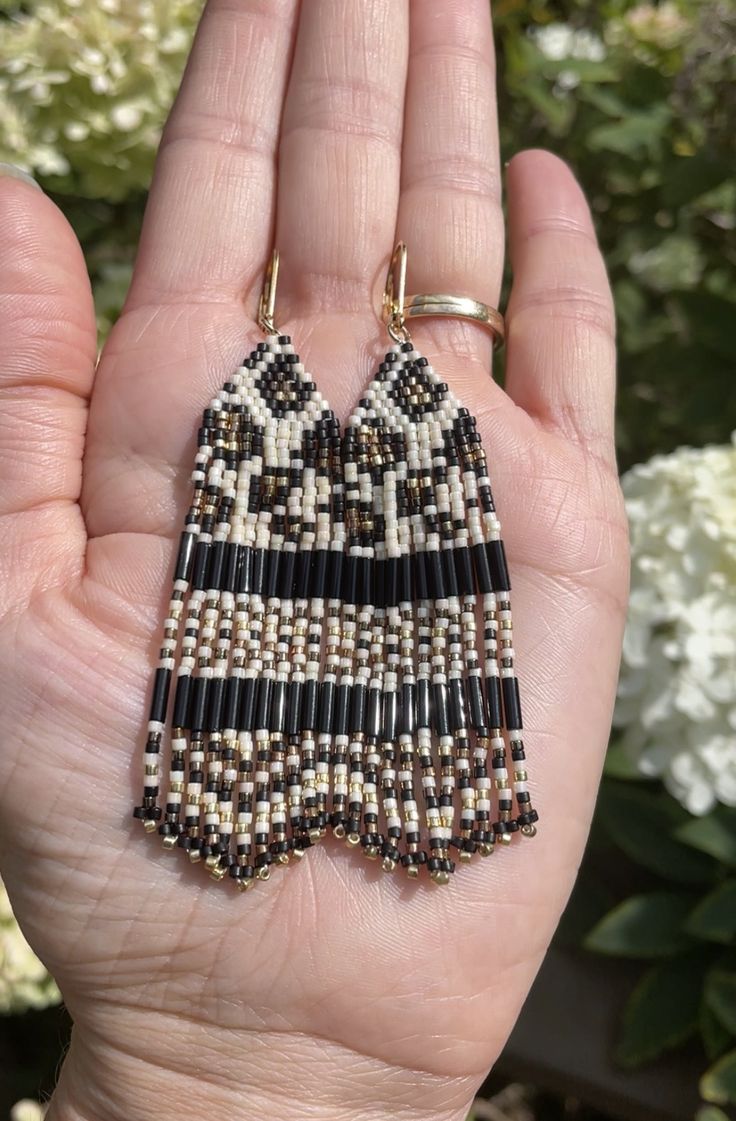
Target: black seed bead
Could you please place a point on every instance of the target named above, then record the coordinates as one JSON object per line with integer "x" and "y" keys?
{"x": 493, "y": 701}
{"x": 511, "y": 702}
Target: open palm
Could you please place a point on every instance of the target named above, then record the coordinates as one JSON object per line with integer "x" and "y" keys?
{"x": 332, "y": 990}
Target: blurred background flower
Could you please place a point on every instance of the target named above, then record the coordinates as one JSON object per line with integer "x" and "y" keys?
{"x": 24, "y": 982}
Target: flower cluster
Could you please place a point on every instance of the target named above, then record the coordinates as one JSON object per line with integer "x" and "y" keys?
{"x": 84, "y": 89}
{"x": 24, "y": 982}
{"x": 677, "y": 693}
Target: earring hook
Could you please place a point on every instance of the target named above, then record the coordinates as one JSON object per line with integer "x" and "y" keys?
{"x": 395, "y": 293}
{"x": 267, "y": 302}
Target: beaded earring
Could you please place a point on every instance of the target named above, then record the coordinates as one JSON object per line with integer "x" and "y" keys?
{"x": 328, "y": 672}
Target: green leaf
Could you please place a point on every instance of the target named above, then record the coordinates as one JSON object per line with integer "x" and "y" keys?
{"x": 714, "y": 834}
{"x": 589, "y": 902}
{"x": 688, "y": 177}
{"x": 641, "y": 821}
{"x": 619, "y": 762}
{"x": 720, "y": 996}
{"x": 711, "y": 1113}
{"x": 718, "y": 1084}
{"x": 637, "y": 134}
{"x": 663, "y": 1010}
{"x": 716, "y": 1038}
{"x": 644, "y": 926}
{"x": 714, "y": 918}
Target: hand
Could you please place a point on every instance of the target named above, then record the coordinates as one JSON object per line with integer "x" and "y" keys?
{"x": 332, "y": 991}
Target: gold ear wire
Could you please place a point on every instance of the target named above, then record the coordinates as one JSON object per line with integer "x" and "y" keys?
{"x": 267, "y": 302}
{"x": 395, "y": 294}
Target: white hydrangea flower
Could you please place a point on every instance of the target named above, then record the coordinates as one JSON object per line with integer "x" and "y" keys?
{"x": 560, "y": 41}
{"x": 24, "y": 982}
{"x": 677, "y": 692}
{"x": 85, "y": 89}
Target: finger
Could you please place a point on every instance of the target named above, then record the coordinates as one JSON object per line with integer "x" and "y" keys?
{"x": 47, "y": 354}
{"x": 450, "y": 207}
{"x": 208, "y": 222}
{"x": 340, "y": 150}
{"x": 560, "y": 320}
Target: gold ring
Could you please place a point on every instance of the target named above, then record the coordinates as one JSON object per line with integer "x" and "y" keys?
{"x": 398, "y": 307}
{"x": 462, "y": 307}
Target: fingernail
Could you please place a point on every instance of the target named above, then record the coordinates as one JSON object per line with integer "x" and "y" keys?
{"x": 13, "y": 172}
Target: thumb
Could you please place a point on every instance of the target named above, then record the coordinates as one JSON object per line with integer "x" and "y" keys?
{"x": 47, "y": 361}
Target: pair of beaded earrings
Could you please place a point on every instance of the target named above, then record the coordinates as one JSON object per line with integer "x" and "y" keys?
{"x": 323, "y": 628}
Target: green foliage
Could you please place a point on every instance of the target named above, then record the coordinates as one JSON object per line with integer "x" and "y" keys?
{"x": 663, "y": 1011}
{"x": 718, "y": 1084}
{"x": 643, "y": 926}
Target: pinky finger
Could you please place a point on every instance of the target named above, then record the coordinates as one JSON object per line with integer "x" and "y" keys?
{"x": 561, "y": 364}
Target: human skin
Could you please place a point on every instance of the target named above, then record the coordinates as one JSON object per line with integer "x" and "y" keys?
{"x": 332, "y": 991}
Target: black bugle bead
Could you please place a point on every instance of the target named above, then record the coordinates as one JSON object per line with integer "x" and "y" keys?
{"x": 450, "y": 574}
{"x": 493, "y": 702}
{"x": 348, "y": 593}
{"x": 406, "y": 590}
{"x": 184, "y": 556}
{"x": 248, "y": 704}
{"x": 160, "y": 698}
{"x": 294, "y": 708}
{"x": 365, "y": 574}
{"x": 390, "y": 717}
{"x": 263, "y": 703}
{"x": 273, "y": 566}
{"x": 303, "y": 569}
{"x": 392, "y": 581}
{"x": 499, "y": 567}
{"x": 373, "y": 713}
{"x": 334, "y": 575}
{"x": 477, "y": 711}
{"x": 326, "y": 707}
{"x": 421, "y": 582}
{"x": 424, "y": 712}
{"x": 215, "y": 566}
{"x": 511, "y": 702}
{"x": 309, "y": 705}
{"x": 441, "y": 708}
{"x": 458, "y": 706}
{"x": 259, "y": 572}
{"x": 199, "y": 568}
{"x": 287, "y": 574}
{"x": 231, "y": 707}
{"x": 435, "y": 575}
{"x": 199, "y": 703}
{"x": 182, "y": 696}
{"x": 358, "y": 707}
{"x": 379, "y": 588}
{"x": 230, "y": 572}
{"x": 245, "y": 570}
{"x": 318, "y": 579}
{"x": 464, "y": 570}
{"x": 342, "y": 710}
{"x": 215, "y": 701}
{"x": 408, "y": 720}
{"x": 482, "y": 569}
{"x": 278, "y": 708}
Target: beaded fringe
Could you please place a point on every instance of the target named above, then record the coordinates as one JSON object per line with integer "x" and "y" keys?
{"x": 323, "y": 632}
